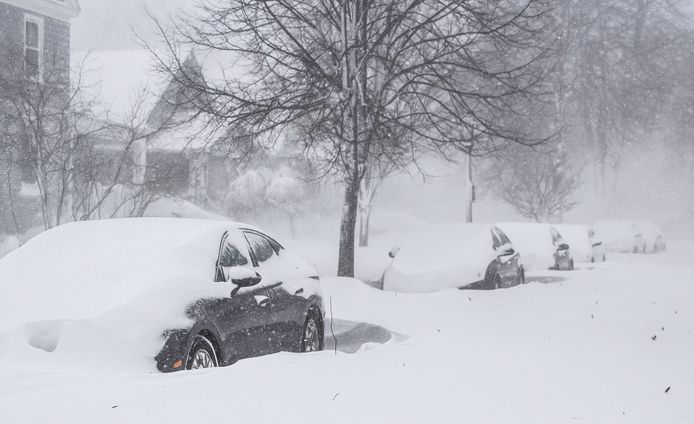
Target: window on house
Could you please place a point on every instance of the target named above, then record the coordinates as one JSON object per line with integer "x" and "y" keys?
{"x": 33, "y": 36}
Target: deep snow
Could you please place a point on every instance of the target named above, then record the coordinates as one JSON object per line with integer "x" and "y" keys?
{"x": 598, "y": 345}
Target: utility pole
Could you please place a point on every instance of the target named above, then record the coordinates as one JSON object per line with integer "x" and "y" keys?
{"x": 470, "y": 189}
{"x": 469, "y": 186}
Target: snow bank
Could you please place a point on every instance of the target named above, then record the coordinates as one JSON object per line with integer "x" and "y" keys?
{"x": 579, "y": 349}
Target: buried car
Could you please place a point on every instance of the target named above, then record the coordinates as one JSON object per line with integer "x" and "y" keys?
{"x": 585, "y": 245}
{"x": 444, "y": 256}
{"x": 541, "y": 245}
{"x": 184, "y": 293}
{"x": 632, "y": 236}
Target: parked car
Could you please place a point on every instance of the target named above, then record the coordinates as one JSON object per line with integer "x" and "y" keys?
{"x": 444, "y": 256}
{"x": 598, "y": 247}
{"x": 585, "y": 245}
{"x": 541, "y": 245}
{"x": 185, "y": 293}
{"x": 622, "y": 236}
{"x": 653, "y": 236}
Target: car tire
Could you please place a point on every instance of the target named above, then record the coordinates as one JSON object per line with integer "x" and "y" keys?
{"x": 312, "y": 337}
{"x": 571, "y": 265}
{"x": 521, "y": 277}
{"x": 202, "y": 354}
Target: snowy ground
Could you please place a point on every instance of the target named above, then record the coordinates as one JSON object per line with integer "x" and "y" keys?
{"x": 597, "y": 345}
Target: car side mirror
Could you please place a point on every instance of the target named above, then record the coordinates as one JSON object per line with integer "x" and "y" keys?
{"x": 242, "y": 276}
{"x": 393, "y": 252}
{"x": 563, "y": 246}
{"x": 597, "y": 243}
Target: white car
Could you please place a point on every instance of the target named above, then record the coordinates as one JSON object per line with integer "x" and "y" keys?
{"x": 631, "y": 236}
{"x": 585, "y": 245}
{"x": 621, "y": 236}
{"x": 541, "y": 245}
{"x": 444, "y": 256}
{"x": 653, "y": 236}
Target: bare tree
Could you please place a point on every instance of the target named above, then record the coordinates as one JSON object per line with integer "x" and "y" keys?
{"x": 78, "y": 163}
{"x": 346, "y": 73}
{"x": 40, "y": 111}
{"x": 611, "y": 82}
{"x": 539, "y": 184}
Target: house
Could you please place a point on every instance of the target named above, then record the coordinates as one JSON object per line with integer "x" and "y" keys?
{"x": 181, "y": 155}
{"x": 35, "y": 48}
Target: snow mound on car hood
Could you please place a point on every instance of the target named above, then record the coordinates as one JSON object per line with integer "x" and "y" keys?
{"x": 81, "y": 270}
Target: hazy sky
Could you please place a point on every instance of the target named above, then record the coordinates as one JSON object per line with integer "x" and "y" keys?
{"x": 109, "y": 24}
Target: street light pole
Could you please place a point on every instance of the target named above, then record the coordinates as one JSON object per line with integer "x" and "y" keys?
{"x": 470, "y": 191}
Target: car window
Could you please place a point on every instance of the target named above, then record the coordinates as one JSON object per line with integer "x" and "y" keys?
{"x": 496, "y": 242}
{"x": 231, "y": 256}
{"x": 261, "y": 247}
{"x": 503, "y": 238}
{"x": 555, "y": 235}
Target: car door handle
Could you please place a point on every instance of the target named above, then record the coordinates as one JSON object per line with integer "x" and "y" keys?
{"x": 300, "y": 291}
{"x": 261, "y": 300}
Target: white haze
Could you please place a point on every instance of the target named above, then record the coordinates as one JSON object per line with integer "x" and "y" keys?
{"x": 651, "y": 184}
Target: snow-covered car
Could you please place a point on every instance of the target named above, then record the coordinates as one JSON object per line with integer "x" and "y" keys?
{"x": 585, "y": 245}
{"x": 444, "y": 256}
{"x": 653, "y": 236}
{"x": 623, "y": 236}
{"x": 178, "y": 293}
{"x": 541, "y": 245}
{"x": 598, "y": 247}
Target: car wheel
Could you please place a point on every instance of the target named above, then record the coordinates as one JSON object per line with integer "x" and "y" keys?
{"x": 312, "y": 338}
{"x": 522, "y": 276}
{"x": 604, "y": 257}
{"x": 202, "y": 354}
{"x": 571, "y": 265}
{"x": 636, "y": 249}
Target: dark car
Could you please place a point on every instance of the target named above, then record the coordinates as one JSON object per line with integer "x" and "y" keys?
{"x": 192, "y": 294}
{"x": 262, "y": 315}
{"x": 444, "y": 256}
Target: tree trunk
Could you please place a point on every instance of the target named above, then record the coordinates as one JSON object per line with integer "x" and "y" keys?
{"x": 364, "y": 219}
{"x": 292, "y": 227}
{"x": 345, "y": 265}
